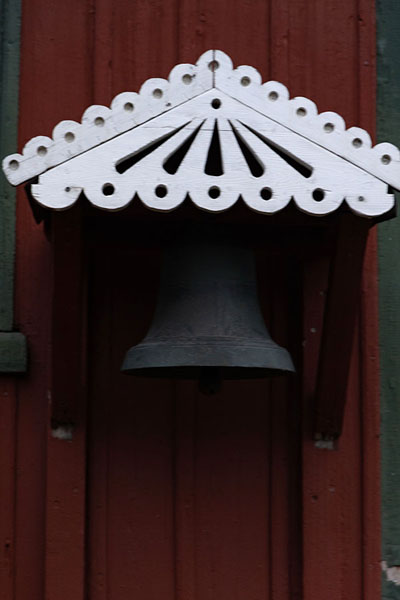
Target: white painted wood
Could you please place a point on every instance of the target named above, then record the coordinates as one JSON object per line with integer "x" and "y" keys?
{"x": 272, "y": 149}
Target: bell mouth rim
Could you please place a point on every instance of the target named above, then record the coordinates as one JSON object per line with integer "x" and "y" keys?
{"x": 222, "y": 341}
{"x": 152, "y": 358}
{"x": 196, "y": 372}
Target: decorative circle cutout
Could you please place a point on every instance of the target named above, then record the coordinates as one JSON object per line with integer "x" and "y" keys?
{"x": 318, "y": 195}
{"x": 266, "y": 193}
{"x": 213, "y": 65}
{"x": 161, "y": 191}
{"x": 214, "y": 192}
{"x": 108, "y": 189}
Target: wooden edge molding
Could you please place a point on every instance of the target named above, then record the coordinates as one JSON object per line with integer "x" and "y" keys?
{"x": 13, "y": 354}
{"x": 214, "y": 133}
{"x": 388, "y": 127}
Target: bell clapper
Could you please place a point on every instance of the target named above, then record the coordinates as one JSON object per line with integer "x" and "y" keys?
{"x": 210, "y": 381}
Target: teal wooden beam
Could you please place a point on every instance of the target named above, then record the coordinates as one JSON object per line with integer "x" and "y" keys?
{"x": 388, "y": 127}
{"x": 12, "y": 344}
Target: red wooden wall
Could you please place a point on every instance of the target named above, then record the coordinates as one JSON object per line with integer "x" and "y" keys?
{"x": 160, "y": 492}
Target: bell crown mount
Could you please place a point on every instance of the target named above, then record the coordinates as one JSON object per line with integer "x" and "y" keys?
{"x": 214, "y": 133}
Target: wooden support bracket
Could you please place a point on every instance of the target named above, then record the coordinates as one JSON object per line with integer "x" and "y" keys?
{"x": 67, "y": 373}
{"x": 341, "y": 309}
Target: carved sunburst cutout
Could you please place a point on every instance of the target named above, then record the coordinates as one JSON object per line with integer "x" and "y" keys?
{"x": 214, "y": 158}
{"x": 214, "y": 133}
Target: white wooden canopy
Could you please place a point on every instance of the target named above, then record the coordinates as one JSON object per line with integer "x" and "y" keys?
{"x": 214, "y": 133}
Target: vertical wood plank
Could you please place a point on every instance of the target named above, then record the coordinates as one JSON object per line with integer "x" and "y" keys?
{"x": 369, "y": 339}
{"x": 98, "y": 463}
{"x": 50, "y": 545}
{"x": 331, "y": 478}
{"x": 131, "y": 533}
{"x": 66, "y": 440}
{"x": 32, "y": 276}
{"x": 232, "y": 467}
{"x": 146, "y": 44}
{"x": 185, "y": 490}
{"x": 8, "y": 410}
{"x": 238, "y": 28}
{"x": 285, "y": 428}
{"x": 369, "y": 374}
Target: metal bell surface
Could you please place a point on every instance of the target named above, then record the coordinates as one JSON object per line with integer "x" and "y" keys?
{"x": 208, "y": 323}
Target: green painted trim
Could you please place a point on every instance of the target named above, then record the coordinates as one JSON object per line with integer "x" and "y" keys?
{"x": 10, "y": 17}
{"x": 388, "y": 127}
{"x": 13, "y": 356}
{"x": 13, "y": 352}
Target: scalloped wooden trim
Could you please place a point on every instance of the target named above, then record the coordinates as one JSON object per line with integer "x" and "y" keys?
{"x": 252, "y": 119}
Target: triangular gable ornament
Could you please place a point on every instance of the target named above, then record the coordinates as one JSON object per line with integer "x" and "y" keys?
{"x": 215, "y": 134}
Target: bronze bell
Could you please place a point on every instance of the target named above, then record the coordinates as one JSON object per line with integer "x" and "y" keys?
{"x": 208, "y": 324}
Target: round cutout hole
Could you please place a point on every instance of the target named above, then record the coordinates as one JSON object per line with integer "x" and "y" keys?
{"x": 318, "y": 195}
{"x": 69, "y": 137}
{"x": 214, "y": 192}
{"x": 301, "y": 112}
{"x": 216, "y": 103}
{"x": 329, "y": 127}
{"x": 157, "y": 93}
{"x": 245, "y": 81}
{"x": 187, "y": 79}
{"x": 128, "y": 107}
{"x": 357, "y": 143}
{"x": 213, "y": 65}
{"x": 42, "y": 151}
{"x": 99, "y": 121}
{"x": 386, "y": 159}
{"x": 108, "y": 189}
{"x": 161, "y": 191}
{"x": 266, "y": 193}
{"x": 13, "y": 165}
{"x": 273, "y": 96}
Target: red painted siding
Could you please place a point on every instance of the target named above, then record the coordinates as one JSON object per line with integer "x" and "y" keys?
{"x": 161, "y": 493}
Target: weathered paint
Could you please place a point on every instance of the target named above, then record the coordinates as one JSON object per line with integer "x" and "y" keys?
{"x": 388, "y": 121}
{"x": 173, "y": 495}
